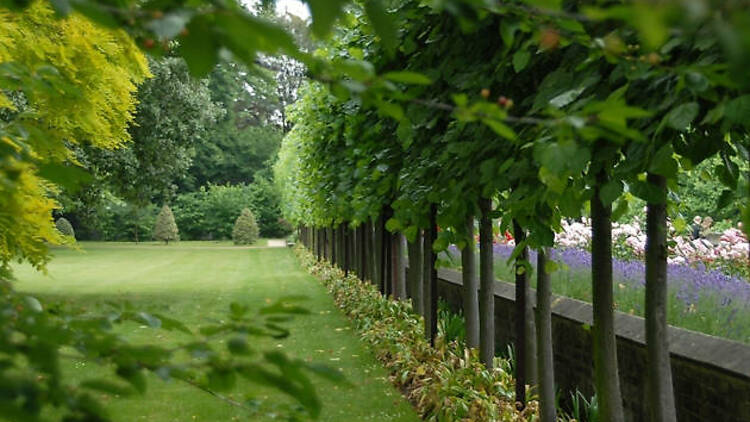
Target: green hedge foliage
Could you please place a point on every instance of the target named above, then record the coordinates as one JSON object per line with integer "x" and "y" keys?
{"x": 210, "y": 213}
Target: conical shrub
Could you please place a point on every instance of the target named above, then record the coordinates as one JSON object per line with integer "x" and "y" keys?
{"x": 245, "y": 228}
{"x": 165, "y": 228}
{"x": 64, "y": 227}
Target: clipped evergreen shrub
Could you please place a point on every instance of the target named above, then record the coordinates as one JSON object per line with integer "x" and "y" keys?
{"x": 165, "y": 228}
{"x": 245, "y": 230}
{"x": 64, "y": 227}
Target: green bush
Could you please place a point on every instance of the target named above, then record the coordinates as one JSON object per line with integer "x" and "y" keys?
{"x": 64, "y": 227}
{"x": 165, "y": 228}
{"x": 245, "y": 230}
{"x": 210, "y": 212}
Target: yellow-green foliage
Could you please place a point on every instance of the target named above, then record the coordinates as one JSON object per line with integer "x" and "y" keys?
{"x": 64, "y": 81}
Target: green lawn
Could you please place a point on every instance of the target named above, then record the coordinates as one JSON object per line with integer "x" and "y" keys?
{"x": 195, "y": 282}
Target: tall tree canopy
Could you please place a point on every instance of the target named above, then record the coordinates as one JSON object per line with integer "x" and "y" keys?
{"x": 66, "y": 82}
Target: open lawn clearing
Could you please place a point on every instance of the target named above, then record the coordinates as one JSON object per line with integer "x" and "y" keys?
{"x": 195, "y": 282}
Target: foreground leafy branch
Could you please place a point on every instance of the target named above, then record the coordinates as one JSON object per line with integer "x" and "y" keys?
{"x": 37, "y": 341}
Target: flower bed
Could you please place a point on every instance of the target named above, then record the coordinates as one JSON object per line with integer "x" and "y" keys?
{"x": 700, "y": 299}
{"x": 728, "y": 252}
{"x": 444, "y": 383}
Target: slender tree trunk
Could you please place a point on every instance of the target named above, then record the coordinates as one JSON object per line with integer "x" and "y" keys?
{"x": 486, "y": 286}
{"x": 388, "y": 263}
{"x": 606, "y": 376}
{"x": 471, "y": 285}
{"x": 659, "y": 374}
{"x": 329, "y": 244}
{"x": 319, "y": 242}
{"x": 399, "y": 277}
{"x": 379, "y": 258}
{"x": 363, "y": 251}
{"x": 525, "y": 348}
{"x": 426, "y": 281}
{"x": 347, "y": 249}
{"x": 371, "y": 254}
{"x": 335, "y": 251}
{"x": 545, "y": 356}
{"x": 433, "y": 276}
{"x": 415, "y": 274}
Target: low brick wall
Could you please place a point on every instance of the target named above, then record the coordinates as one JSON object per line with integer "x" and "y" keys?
{"x": 711, "y": 375}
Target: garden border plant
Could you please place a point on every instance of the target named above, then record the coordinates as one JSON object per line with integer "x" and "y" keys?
{"x": 444, "y": 383}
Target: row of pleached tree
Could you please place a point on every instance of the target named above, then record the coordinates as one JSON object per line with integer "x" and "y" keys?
{"x": 525, "y": 115}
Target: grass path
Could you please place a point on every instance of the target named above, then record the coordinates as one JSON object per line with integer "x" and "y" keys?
{"x": 196, "y": 283}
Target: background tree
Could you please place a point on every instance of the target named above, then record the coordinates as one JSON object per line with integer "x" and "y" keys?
{"x": 64, "y": 227}
{"x": 165, "y": 228}
{"x": 174, "y": 112}
{"x": 245, "y": 230}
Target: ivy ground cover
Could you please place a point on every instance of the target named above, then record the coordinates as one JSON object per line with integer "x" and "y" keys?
{"x": 195, "y": 282}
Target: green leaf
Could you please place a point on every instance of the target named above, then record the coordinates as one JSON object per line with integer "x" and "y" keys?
{"x": 520, "y": 60}
{"x": 134, "y": 376}
{"x": 148, "y": 319}
{"x": 383, "y": 22}
{"x": 620, "y": 209}
{"x": 611, "y": 191}
{"x": 440, "y": 244}
{"x": 550, "y": 266}
{"x": 170, "y": 25}
{"x": 33, "y": 303}
{"x": 68, "y": 176}
{"x": 172, "y": 324}
{"x": 220, "y": 379}
{"x": 200, "y": 47}
{"x": 393, "y": 225}
{"x": 727, "y": 197}
{"x": 663, "y": 163}
{"x": 407, "y": 77}
{"x": 391, "y": 109}
{"x": 500, "y": 128}
{"x": 325, "y": 371}
{"x": 324, "y": 13}
{"x": 238, "y": 346}
{"x": 737, "y": 110}
{"x": 107, "y": 386}
{"x": 283, "y": 307}
{"x": 680, "y": 117}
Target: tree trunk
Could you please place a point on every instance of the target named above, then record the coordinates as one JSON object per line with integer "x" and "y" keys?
{"x": 399, "y": 276}
{"x": 347, "y": 249}
{"x": 329, "y": 245}
{"x": 335, "y": 245}
{"x": 525, "y": 345}
{"x": 606, "y": 376}
{"x": 471, "y": 285}
{"x": 659, "y": 373}
{"x": 545, "y": 356}
{"x": 486, "y": 286}
{"x": 433, "y": 304}
{"x": 378, "y": 255}
{"x": 363, "y": 251}
{"x": 426, "y": 283}
{"x": 371, "y": 254}
{"x": 415, "y": 274}
{"x": 387, "y": 263}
